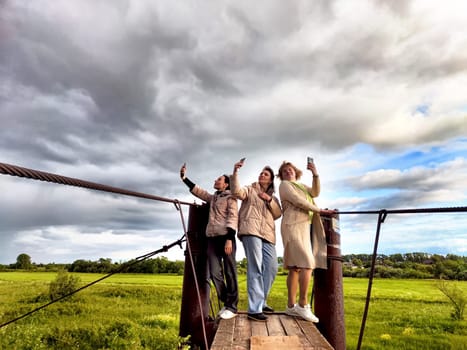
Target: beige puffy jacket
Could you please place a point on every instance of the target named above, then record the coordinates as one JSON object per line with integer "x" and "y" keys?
{"x": 256, "y": 216}
{"x": 295, "y": 209}
{"x": 223, "y": 211}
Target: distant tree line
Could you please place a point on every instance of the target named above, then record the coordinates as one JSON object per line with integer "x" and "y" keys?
{"x": 157, "y": 265}
{"x": 409, "y": 265}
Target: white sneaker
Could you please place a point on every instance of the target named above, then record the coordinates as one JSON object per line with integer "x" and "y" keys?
{"x": 305, "y": 313}
{"x": 227, "y": 314}
{"x": 221, "y": 311}
{"x": 291, "y": 310}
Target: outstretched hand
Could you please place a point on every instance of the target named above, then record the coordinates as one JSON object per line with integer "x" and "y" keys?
{"x": 312, "y": 168}
{"x": 238, "y": 165}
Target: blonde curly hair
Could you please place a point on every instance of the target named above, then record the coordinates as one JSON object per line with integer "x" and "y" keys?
{"x": 298, "y": 172}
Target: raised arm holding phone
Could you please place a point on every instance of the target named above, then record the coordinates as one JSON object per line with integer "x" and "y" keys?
{"x": 304, "y": 247}
{"x": 256, "y": 229}
{"x": 221, "y": 245}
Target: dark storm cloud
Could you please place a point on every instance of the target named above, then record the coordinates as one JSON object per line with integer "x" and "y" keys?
{"x": 46, "y": 59}
{"x": 123, "y": 92}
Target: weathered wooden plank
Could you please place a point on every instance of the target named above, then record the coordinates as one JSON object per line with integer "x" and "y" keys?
{"x": 276, "y": 342}
{"x": 290, "y": 325}
{"x": 258, "y": 328}
{"x": 274, "y": 326}
{"x": 293, "y": 328}
{"x": 242, "y": 334}
{"x": 224, "y": 335}
{"x": 313, "y": 335}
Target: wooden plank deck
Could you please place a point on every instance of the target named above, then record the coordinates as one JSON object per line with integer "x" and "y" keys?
{"x": 278, "y": 332}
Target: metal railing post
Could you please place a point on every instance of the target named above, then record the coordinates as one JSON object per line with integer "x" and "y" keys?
{"x": 328, "y": 289}
{"x": 192, "y": 316}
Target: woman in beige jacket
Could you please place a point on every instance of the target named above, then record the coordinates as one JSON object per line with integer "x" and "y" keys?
{"x": 299, "y": 210}
{"x": 256, "y": 229}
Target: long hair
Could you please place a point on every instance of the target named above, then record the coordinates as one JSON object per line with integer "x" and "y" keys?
{"x": 227, "y": 181}
{"x": 271, "y": 189}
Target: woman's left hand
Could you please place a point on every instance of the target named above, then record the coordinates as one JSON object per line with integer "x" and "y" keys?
{"x": 265, "y": 197}
{"x": 312, "y": 168}
{"x": 328, "y": 212}
{"x": 228, "y": 247}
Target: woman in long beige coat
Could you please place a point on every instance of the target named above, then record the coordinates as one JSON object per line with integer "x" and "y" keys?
{"x": 299, "y": 210}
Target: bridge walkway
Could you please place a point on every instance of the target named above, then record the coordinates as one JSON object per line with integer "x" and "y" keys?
{"x": 278, "y": 332}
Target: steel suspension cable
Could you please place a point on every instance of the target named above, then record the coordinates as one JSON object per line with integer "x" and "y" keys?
{"x": 15, "y": 170}
{"x": 409, "y": 211}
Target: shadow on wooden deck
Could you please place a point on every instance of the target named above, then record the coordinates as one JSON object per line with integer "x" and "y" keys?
{"x": 278, "y": 332}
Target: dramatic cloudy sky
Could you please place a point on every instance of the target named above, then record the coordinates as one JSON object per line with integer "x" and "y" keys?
{"x": 122, "y": 92}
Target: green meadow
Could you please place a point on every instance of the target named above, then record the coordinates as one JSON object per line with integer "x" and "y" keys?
{"x": 142, "y": 311}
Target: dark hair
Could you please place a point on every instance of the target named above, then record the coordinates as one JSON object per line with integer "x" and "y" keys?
{"x": 270, "y": 190}
{"x": 227, "y": 181}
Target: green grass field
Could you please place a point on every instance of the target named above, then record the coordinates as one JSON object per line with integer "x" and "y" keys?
{"x": 142, "y": 312}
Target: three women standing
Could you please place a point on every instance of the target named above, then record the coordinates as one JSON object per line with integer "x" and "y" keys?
{"x": 305, "y": 248}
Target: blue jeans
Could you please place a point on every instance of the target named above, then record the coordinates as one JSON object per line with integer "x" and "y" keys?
{"x": 261, "y": 271}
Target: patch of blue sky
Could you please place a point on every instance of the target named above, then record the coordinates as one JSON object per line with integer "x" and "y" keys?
{"x": 455, "y": 149}
{"x": 423, "y": 109}
{"x": 398, "y": 238}
{"x": 430, "y": 158}
{"x": 414, "y": 158}
{"x": 390, "y": 160}
{"x": 448, "y": 203}
{"x": 362, "y": 148}
{"x": 363, "y": 154}
{"x": 390, "y": 250}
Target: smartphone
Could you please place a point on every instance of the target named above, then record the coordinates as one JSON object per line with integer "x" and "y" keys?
{"x": 309, "y": 160}
{"x": 242, "y": 160}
